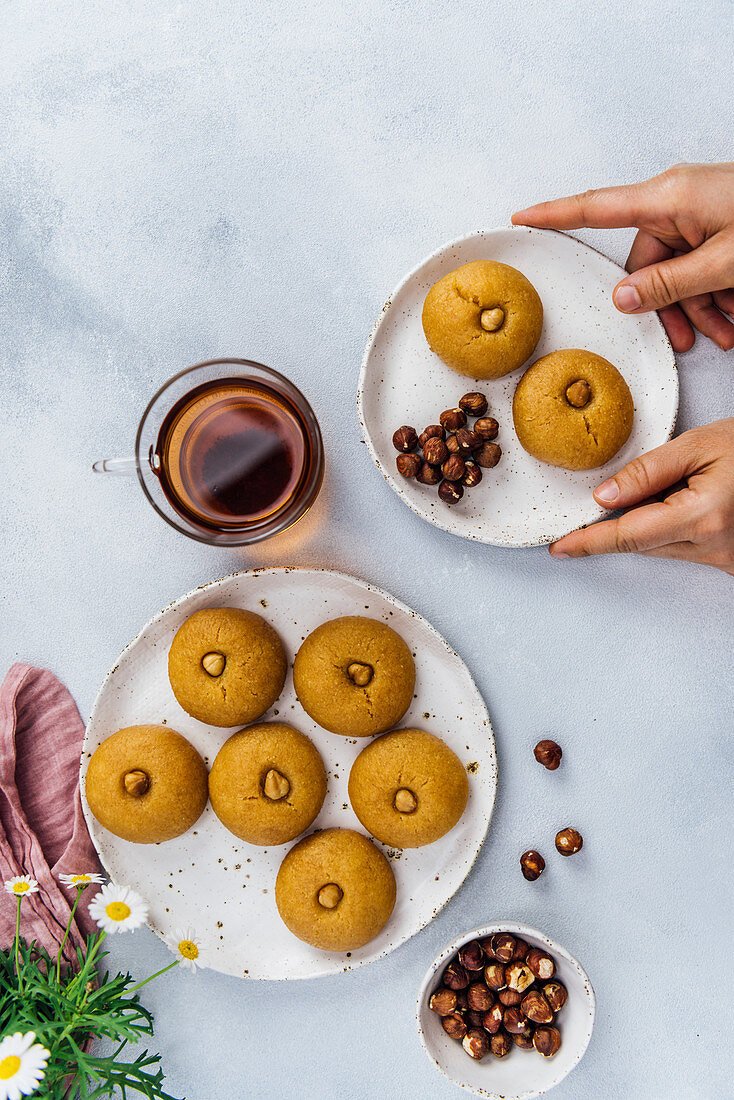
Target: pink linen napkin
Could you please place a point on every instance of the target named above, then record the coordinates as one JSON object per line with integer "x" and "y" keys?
{"x": 42, "y": 828}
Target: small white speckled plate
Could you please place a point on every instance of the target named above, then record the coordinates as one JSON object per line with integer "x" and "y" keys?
{"x": 521, "y": 1075}
{"x": 220, "y": 886}
{"x": 522, "y": 502}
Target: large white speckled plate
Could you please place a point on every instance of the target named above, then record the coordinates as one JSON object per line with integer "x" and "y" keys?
{"x": 522, "y": 502}
{"x": 224, "y": 888}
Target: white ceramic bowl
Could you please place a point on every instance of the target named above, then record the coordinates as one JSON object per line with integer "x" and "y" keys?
{"x": 522, "y": 1074}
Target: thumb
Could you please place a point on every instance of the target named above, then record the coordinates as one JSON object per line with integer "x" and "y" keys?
{"x": 649, "y": 474}
{"x": 662, "y": 284}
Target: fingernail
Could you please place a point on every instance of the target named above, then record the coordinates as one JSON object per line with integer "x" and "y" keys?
{"x": 627, "y": 298}
{"x": 557, "y": 553}
{"x": 607, "y": 492}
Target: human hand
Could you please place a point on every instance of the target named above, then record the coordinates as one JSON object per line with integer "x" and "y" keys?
{"x": 682, "y": 259}
{"x": 694, "y": 523}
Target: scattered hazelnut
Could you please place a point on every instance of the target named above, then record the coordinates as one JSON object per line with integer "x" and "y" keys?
{"x": 492, "y": 319}
{"x": 405, "y": 439}
{"x": 435, "y": 451}
{"x": 360, "y": 674}
{"x": 476, "y": 1043}
{"x": 488, "y": 455}
{"x": 578, "y": 394}
{"x": 525, "y": 1040}
{"x": 540, "y": 963}
{"x": 433, "y": 431}
{"x": 500, "y": 1044}
{"x": 548, "y": 753}
{"x": 455, "y": 977}
{"x": 428, "y": 475}
{"x": 450, "y": 492}
{"x": 532, "y": 864}
{"x": 213, "y": 663}
{"x": 556, "y": 995}
{"x": 569, "y": 842}
{"x": 474, "y": 404}
{"x": 521, "y": 951}
{"x": 443, "y": 1002}
{"x": 513, "y": 1020}
{"x": 519, "y": 976}
{"x": 494, "y": 975}
{"x": 468, "y": 440}
{"x": 472, "y": 475}
{"x": 452, "y": 444}
{"x": 454, "y": 1025}
{"x": 136, "y": 782}
{"x": 536, "y": 1008}
{"x": 408, "y": 465}
{"x": 453, "y": 468}
{"x": 509, "y": 997}
{"x": 471, "y": 956}
{"x": 547, "y": 1041}
{"x": 330, "y": 895}
{"x": 487, "y": 427}
{"x": 503, "y": 946}
{"x": 451, "y": 419}
{"x": 405, "y": 801}
{"x": 275, "y": 785}
{"x": 478, "y": 997}
{"x": 492, "y": 1020}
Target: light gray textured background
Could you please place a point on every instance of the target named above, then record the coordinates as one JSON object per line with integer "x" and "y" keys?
{"x": 180, "y": 181}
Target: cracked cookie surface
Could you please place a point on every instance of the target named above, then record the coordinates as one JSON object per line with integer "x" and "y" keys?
{"x": 226, "y": 666}
{"x": 573, "y": 409}
{"x": 354, "y": 676}
{"x": 483, "y": 319}
{"x": 267, "y": 783}
{"x": 408, "y": 788}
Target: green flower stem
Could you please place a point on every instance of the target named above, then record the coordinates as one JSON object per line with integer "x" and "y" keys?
{"x": 68, "y": 930}
{"x": 17, "y": 942}
{"x": 139, "y": 985}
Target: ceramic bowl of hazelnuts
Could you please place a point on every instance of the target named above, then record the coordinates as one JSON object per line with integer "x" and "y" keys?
{"x": 505, "y": 1012}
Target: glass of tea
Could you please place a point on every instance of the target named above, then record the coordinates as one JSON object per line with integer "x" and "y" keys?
{"x": 228, "y": 452}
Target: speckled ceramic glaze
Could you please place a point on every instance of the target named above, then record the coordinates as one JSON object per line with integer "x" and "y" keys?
{"x": 522, "y": 502}
{"x": 222, "y": 887}
{"x": 522, "y": 1074}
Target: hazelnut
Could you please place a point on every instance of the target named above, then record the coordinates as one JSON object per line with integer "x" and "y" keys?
{"x": 428, "y": 475}
{"x": 519, "y": 976}
{"x": 492, "y": 319}
{"x": 408, "y": 465}
{"x": 488, "y": 455}
{"x": 536, "y": 1008}
{"x": 494, "y": 975}
{"x": 556, "y": 995}
{"x": 549, "y": 754}
{"x": 472, "y": 475}
{"x": 547, "y": 1041}
{"x": 213, "y": 663}
{"x": 275, "y": 786}
{"x": 136, "y": 782}
{"x": 500, "y": 1044}
{"x": 487, "y": 427}
{"x": 513, "y": 1020}
{"x": 330, "y": 895}
{"x": 454, "y": 976}
{"x": 451, "y": 419}
{"x": 443, "y": 1002}
{"x": 471, "y": 955}
{"x": 524, "y": 1040}
{"x": 450, "y": 492}
{"x": 452, "y": 444}
{"x": 521, "y": 951}
{"x": 503, "y": 946}
{"x": 492, "y": 1020}
{"x": 532, "y": 864}
{"x": 360, "y": 674}
{"x": 468, "y": 440}
{"x": 474, "y": 1018}
{"x": 486, "y": 946}
{"x": 405, "y": 801}
{"x": 474, "y": 404}
{"x": 569, "y": 842}
{"x": 433, "y": 431}
{"x": 578, "y": 394}
{"x": 540, "y": 963}
{"x": 509, "y": 997}
{"x": 453, "y": 468}
{"x": 461, "y": 1001}
{"x": 405, "y": 439}
{"x": 454, "y": 1025}
{"x": 476, "y": 1043}
{"x": 478, "y": 997}
{"x": 435, "y": 451}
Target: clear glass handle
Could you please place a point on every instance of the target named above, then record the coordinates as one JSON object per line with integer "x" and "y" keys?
{"x": 115, "y": 466}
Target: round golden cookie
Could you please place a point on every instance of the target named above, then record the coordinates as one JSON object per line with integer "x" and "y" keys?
{"x": 408, "y": 788}
{"x": 573, "y": 409}
{"x": 226, "y": 666}
{"x": 354, "y": 676}
{"x": 267, "y": 783}
{"x": 484, "y": 319}
{"x": 146, "y": 784}
{"x": 335, "y": 890}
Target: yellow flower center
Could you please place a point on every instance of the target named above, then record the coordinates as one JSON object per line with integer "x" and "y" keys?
{"x": 188, "y": 949}
{"x": 9, "y": 1067}
{"x": 21, "y": 887}
{"x": 79, "y": 880}
{"x": 118, "y": 910}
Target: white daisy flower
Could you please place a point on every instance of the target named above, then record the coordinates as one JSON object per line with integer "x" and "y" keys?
{"x": 21, "y": 885}
{"x": 81, "y": 881}
{"x": 118, "y": 909}
{"x": 22, "y": 1065}
{"x": 187, "y": 949}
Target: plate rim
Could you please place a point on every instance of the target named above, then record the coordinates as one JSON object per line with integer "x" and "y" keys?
{"x": 435, "y": 520}
{"x": 269, "y": 570}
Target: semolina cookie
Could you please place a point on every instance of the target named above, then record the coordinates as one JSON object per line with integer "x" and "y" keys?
{"x": 484, "y": 319}
{"x": 408, "y": 788}
{"x": 146, "y": 784}
{"x": 354, "y": 676}
{"x": 267, "y": 783}
{"x": 335, "y": 890}
{"x": 226, "y": 666}
{"x": 573, "y": 409}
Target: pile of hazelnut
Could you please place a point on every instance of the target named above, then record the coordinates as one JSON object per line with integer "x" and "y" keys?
{"x": 453, "y": 453}
{"x": 498, "y": 993}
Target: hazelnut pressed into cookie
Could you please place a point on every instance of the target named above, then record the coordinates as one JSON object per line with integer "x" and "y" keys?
{"x": 226, "y": 666}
